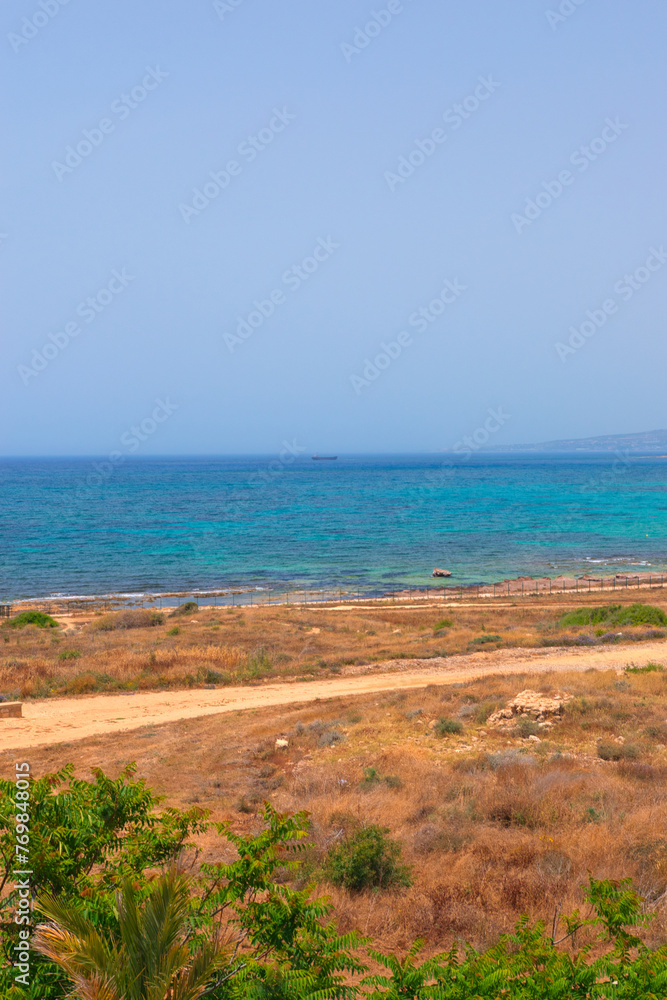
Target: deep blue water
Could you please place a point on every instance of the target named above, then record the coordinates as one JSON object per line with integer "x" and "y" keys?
{"x": 155, "y": 525}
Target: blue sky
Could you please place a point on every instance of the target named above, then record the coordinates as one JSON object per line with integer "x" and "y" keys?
{"x": 369, "y": 158}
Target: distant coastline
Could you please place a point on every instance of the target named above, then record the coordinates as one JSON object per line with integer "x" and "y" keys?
{"x": 647, "y": 443}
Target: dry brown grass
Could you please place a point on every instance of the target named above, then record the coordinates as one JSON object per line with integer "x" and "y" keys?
{"x": 492, "y": 825}
{"x": 221, "y": 646}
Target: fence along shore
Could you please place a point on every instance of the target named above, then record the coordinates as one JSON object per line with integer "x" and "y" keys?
{"x": 516, "y": 587}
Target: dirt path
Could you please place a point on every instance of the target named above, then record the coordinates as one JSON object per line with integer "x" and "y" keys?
{"x": 59, "y": 720}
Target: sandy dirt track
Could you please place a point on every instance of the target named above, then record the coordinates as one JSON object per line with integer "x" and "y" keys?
{"x": 60, "y": 720}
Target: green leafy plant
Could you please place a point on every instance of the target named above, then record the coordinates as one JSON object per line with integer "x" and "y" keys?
{"x": 372, "y": 778}
{"x": 614, "y": 614}
{"x": 367, "y": 859}
{"x": 617, "y": 751}
{"x": 482, "y": 640}
{"x": 448, "y": 727}
{"x": 650, "y": 668}
{"x": 184, "y": 609}
{"x": 69, "y": 654}
{"x": 146, "y": 958}
{"x": 258, "y": 664}
{"x": 37, "y": 618}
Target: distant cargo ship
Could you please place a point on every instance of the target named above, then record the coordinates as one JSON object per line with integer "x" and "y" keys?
{"x": 324, "y": 458}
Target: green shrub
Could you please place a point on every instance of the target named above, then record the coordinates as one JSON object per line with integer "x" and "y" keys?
{"x": 257, "y": 665}
{"x": 614, "y": 614}
{"x": 184, "y": 609}
{"x": 648, "y": 669}
{"x": 215, "y": 677}
{"x": 483, "y": 639}
{"x": 589, "y": 616}
{"x": 174, "y": 631}
{"x": 372, "y": 777}
{"x": 367, "y": 859}
{"x": 446, "y": 727}
{"x": 617, "y": 751}
{"x": 37, "y": 618}
{"x": 442, "y": 624}
{"x": 641, "y": 614}
{"x": 69, "y": 654}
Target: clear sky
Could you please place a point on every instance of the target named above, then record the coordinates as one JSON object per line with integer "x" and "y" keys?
{"x": 498, "y": 166}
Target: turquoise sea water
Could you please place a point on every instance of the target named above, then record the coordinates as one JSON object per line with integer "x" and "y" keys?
{"x": 78, "y": 527}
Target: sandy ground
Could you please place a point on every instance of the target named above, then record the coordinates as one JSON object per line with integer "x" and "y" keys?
{"x": 57, "y": 720}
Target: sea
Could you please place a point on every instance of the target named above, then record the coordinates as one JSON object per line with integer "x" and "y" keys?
{"x": 81, "y": 527}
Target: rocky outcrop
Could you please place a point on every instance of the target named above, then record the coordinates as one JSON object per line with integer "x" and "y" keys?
{"x": 540, "y": 708}
{"x": 441, "y": 572}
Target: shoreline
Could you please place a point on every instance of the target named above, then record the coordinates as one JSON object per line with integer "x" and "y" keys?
{"x": 515, "y": 587}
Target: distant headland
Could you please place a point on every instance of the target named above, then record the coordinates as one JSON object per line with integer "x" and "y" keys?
{"x": 642, "y": 443}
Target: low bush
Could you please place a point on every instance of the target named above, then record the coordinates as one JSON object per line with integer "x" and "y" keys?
{"x": 641, "y": 614}
{"x": 128, "y": 618}
{"x": 367, "y": 859}
{"x": 614, "y": 614}
{"x": 37, "y": 618}
{"x": 329, "y": 737}
{"x": 69, "y": 654}
{"x": 617, "y": 751}
{"x": 482, "y": 640}
{"x": 257, "y": 665}
{"x": 650, "y": 668}
{"x": 184, "y": 609}
{"x": 372, "y": 778}
{"x": 448, "y": 727}
{"x": 215, "y": 677}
